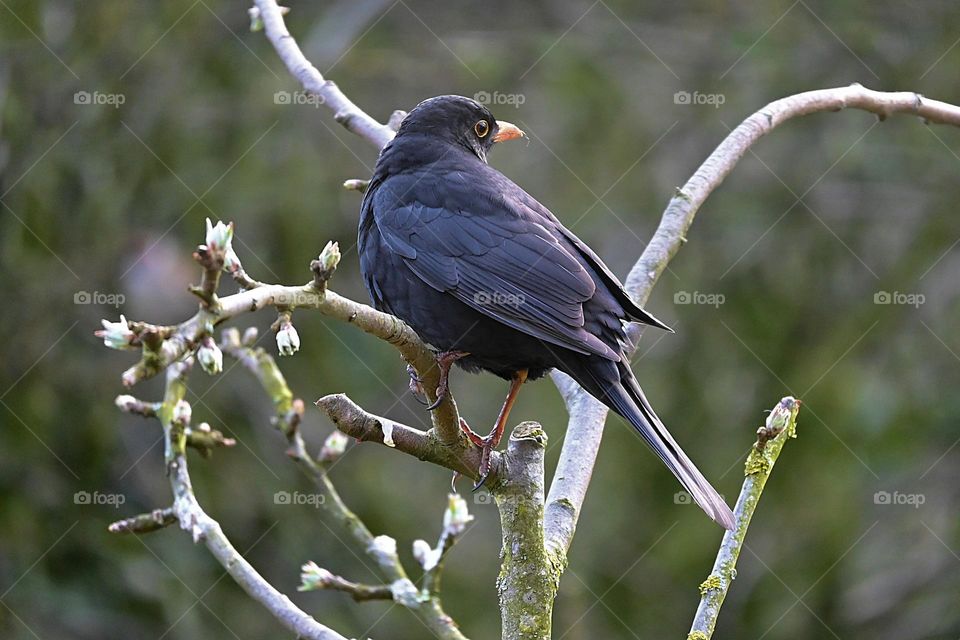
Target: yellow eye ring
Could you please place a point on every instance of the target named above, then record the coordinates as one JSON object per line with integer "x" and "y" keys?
{"x": 482, "y": 128}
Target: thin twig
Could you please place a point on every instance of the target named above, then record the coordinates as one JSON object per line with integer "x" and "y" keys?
{"x": 203, "y": 528}
{"x": 314, "y": 578}
{"x": 145, "y": 522}
{"x": 288, "y": 411}
{"x": 781, "y": 425}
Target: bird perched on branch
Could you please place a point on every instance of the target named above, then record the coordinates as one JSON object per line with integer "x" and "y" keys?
{"x": 492, "y": 280}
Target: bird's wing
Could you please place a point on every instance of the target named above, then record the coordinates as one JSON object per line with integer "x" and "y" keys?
{"x": 481, "y": 250}
{"x": 612, "y": 282}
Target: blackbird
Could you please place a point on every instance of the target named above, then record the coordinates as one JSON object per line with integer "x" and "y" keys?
{"x": 492, "y": 280}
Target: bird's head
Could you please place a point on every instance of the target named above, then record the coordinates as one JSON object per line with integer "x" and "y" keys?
{"x": 460, "y": 121}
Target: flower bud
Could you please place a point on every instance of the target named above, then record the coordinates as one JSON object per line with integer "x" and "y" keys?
{"x": 330, "y": 256}
{"x": 182, "y": 412}
{"x": 116, "y": 335}
{"x": 250, "y": 337}
{"x": 333, "y": 446}
{"x": 219, "y": 237}
{"x": 425, "y": 555}
{"x": 288, "y": 341}
{"x": 457, "y": 516}
{"x": 210, "y": 356}
{"x": 313, "y": 577}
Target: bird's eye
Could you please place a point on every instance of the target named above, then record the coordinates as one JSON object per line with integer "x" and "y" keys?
{"x": 482, "y": 128}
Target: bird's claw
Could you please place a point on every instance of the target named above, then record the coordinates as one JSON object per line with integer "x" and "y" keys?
{"x": 416, "y": 386}
{"x": 445, "y": 360}
{"x": 486, "y": 448}
{"x": 486, "y": 444}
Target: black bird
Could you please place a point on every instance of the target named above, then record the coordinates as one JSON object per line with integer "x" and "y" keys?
{"x": 490, "y": 278}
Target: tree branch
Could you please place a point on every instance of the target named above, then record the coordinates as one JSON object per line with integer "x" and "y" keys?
{"x": 381, "y": 549}
{"x": 536, "y": 536}
{"x": 781, "y": 425}
{"x": 529, "y": 573}
{"x": 587, "y": 416}
{"x": 145, "y": 522}
{"x": 194, "y": 519}
{"x": 170, "y": 348}
{"x": 344, "y": 110}
{"x": 425, "y": 445}
{"x": 163, "y": 346}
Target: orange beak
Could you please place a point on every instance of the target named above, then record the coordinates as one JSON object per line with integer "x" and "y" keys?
{"x": 507, "y": 131}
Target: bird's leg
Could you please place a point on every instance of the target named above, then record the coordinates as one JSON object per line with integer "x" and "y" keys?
{"x": 472, "y": 435}
{"x": 445, "y": 360}
{"x": 488, "y": 444}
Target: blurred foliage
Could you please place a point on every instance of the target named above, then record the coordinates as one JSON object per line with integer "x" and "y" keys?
{"x": 111, "y": 200}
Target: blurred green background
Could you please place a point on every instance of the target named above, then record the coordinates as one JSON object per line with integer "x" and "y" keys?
{"x": 109, "y": 199}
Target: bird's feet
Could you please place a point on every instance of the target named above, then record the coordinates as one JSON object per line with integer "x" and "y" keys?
{"x": 487, "y": 444}
{"x": 445, "y": 360}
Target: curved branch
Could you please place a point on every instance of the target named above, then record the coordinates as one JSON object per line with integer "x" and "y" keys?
{"x": 344, "y": 110}
{"x": 202, "y": 527}
{"x": 587, "y": 416}
{"x": 683, "y": 207}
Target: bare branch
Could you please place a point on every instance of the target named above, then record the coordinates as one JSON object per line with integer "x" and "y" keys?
{"x": 425, "y": 445}
{"x": 202, "y": 527}
{"x": 381, "y": 549}
{"x": 145, "y": 522}
{"x": 781, "y": 425}
{"x": 163, "y": 346}
{"x": 587, "y": 416}
{"x": 684, "y": 205}
{"x": 344, "y": 110}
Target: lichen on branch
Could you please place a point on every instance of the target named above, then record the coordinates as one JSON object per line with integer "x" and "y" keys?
{"x": 780, "y": 426}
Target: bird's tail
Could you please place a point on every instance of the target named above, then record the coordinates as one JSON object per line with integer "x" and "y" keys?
{"x": 626, "y": 398}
